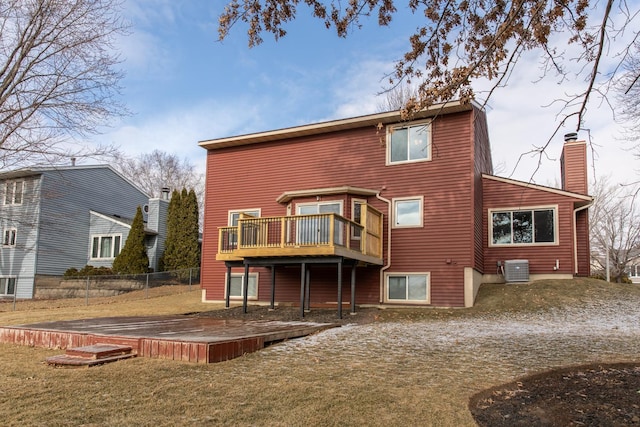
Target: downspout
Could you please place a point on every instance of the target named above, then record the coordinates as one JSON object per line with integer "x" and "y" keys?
{"x": 388, "y": 264}
{"x": 575, "y": 234}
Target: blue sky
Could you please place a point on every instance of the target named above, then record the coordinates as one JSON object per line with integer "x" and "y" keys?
{"x": 183, "y": 86}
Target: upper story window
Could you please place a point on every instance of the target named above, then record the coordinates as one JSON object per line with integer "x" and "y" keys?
{"x": 13, "y": 192}
{"x": 9, "y": 237}
{"x": 407, "y": 212}
{"x": 105, "y": 247}
{"x": 523, "y": 226}
{"x": 409, "y": 143}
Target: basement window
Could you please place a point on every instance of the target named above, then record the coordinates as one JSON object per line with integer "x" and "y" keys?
{"x": 237, "y": 288}
{"x": 407, "y": 287}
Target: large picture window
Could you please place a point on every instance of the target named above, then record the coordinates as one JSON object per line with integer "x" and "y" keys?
{"x": 237, "y": 288}
{"x": 7, "y": 285}
{"x": 523, "y": 226}
{"x": 105, "y": 247}
{"x": 411, "y": 287}
{"x": 410, "y": 143}
{"x": 407, "y": 212}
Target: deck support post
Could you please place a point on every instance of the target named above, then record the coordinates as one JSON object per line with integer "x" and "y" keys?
{"x": 308, "y": 288}
{"x": 353, "y": 288}
{"x": 273, "y": 287}
{"x": 340, "y": 289}
{"x": 245, "y": 287}
{"x": 228, "y": 284}
{"x": 303, "y": 275}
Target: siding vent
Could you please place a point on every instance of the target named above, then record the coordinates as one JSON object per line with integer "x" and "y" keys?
{"x": 516, "y": 270}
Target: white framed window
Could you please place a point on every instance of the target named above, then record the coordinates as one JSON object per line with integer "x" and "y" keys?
{"x": 237, "y": 288}
{"x": 356, "y": 216}
{"x": 106, "y": 246}
{"x": 409, "y": 143}
{"x": 13, "y": 192}
{"x": 408, "y": 212}
{"x": 7, "y": 285}
{"x": 9, "y": 237}
{"x": 234, "y": 215}
{"x": 527, "y": 226}
{"x": 407, "y": 287}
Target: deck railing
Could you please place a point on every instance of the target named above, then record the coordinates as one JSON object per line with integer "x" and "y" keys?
{"x": 305, "y": 231}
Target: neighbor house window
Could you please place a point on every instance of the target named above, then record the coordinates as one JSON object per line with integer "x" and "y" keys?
{"x": 7, "y": 285}
{"x": 13, "y": 192}
{"x": 105, "y": 247}
{"x": 237, "y": 286}
{"x": 407, "y": 212}
{"x": 411, "y": 143}
{"x": 9, "y": 237}
{"x": 523, "y": 226}
{"x": 409, "y": 287}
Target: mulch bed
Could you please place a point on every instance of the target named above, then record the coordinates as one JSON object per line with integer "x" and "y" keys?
{"x": 591, "y": 395}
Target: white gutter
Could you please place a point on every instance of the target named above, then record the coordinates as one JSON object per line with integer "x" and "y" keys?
{"x": 575, "y": 234}
{"x": 388, "y": 264}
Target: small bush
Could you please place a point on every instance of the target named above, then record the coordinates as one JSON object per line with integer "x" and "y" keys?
{"x": 88, "y": 270}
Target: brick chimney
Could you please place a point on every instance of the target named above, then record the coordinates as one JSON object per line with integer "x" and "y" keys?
{"x": 573, "y": 164}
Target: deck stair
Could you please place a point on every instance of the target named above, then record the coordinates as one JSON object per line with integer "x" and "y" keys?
{"x": 91, "y": 355}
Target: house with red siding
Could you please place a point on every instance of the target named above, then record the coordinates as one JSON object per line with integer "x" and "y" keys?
{"x": 379, "y": 211}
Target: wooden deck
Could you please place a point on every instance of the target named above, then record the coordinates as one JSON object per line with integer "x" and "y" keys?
{"x": 185, "y": 338}
{"x": 321, "y": 235}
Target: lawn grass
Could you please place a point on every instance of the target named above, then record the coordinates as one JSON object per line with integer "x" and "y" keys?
{"x": 405, "y": 384}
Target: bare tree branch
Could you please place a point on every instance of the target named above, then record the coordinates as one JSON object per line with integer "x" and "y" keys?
{"x": 58, "y": 76}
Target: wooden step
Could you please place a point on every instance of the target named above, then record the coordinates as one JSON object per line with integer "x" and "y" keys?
{"x": 98, "y": 351}
{"x": 91, "y": 355}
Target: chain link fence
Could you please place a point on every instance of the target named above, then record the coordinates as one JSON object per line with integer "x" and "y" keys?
{"x": 100, "y": 289}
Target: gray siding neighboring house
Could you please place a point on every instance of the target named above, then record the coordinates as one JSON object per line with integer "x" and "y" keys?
{"x": 50, "y": 217}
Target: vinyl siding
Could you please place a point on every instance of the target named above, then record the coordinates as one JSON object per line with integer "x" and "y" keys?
{"x": 542, "y": 259}
{"x": 20, "y": 261}
{"x": 253, "y": 176}
{"x": 100, "y": 226}
{"x": 67, "y": 197}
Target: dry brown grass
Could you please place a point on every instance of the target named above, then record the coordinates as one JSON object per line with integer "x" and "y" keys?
{"x": 331, "y": 381}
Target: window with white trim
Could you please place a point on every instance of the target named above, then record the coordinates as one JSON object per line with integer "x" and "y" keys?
{"x": 105, "y": 246}
{"x": 234, "y": 215}
{"x": 237, "y": 287}
{"x": 356, "y": 216}
{"x": 523, "y": 226}
{"x": 408, "y": 212}
{"x": 7, "y": 285}
{"x": 409, "y": 143}
{"x": 316, "y": 230}
{"x": 407, "y": 287}
{"x": 9, "y": 237}
{"x": 13, "y": 191}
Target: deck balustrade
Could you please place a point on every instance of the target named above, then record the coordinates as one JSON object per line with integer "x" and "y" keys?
{"x": 304, "y": 235}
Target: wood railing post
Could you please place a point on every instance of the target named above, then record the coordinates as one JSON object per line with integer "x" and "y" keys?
{"x": 332, "y": 229}
{"x": 283, "y": 231}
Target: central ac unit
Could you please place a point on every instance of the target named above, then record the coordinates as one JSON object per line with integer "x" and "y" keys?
{"x": 516, "y": 270}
